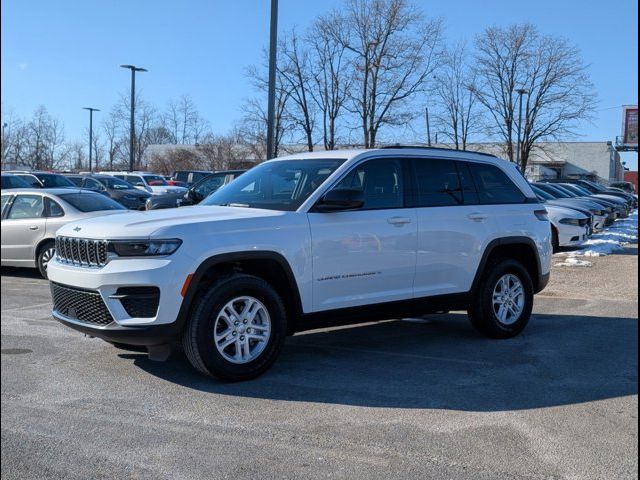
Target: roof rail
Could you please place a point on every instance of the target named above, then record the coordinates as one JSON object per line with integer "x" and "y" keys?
{"x": 441, "y": 149}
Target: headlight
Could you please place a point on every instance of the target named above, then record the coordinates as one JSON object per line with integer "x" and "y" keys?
{"x": 144, "y": 248}
{"x": 597, "y": 213}
{"x": 148, "y": 205}
{"x": 571, "y": 221}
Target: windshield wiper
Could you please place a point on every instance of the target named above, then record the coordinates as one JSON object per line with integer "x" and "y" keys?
{"x": 243, "y": 205}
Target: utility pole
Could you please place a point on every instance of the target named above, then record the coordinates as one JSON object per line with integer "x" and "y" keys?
{"x": 271, "y": 99}
{"x": 91, "y": 110}
{"x": 520, "y": 92}
{"x": 132, "y": 127}
{"x": 426, "y": 110}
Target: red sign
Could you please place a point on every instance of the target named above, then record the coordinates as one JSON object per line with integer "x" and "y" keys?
{"x": 630, "y": 125}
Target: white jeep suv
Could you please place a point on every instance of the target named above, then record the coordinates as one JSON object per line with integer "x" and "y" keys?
{"x": 304, "y": 241}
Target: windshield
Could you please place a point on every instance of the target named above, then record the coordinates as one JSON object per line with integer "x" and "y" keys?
{"x": 541, "y": 193}
{"x": 278, "y": 185}
{"x": 155, "y": 180}
{"x": 115, "y": 183}
{"x": 51, "y": 180}
{"x": 90, "y": 202}
{"x": 552, "y": 190}
{"x": 579, "y": 190}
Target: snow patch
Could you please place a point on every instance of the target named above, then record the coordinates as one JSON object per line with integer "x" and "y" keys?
{"x": 574, "y": 262}
{"x": 613, "y": 239}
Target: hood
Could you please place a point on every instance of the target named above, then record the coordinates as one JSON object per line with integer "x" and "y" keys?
{"x": 142, "y": 224}
{"x": 556, "y": 212}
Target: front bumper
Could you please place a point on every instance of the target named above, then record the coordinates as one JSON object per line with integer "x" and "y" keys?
{"x": 145, "y": 335}
{"x": 106, "y": 283}
{"x": 572, "y": 236}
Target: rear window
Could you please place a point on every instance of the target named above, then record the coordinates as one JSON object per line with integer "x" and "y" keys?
{"x": 10, "y": 181}
{"x": 438, "y": 184}
{"x": 494, "y": 186}
{"x": 90, "y": 202}
{"x": 76, "y": 180}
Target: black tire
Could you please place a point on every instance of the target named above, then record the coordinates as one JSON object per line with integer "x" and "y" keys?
{"x": 45, "y": 254}
{"x": 482, "y": 313}
{"x": 198, "y": 339}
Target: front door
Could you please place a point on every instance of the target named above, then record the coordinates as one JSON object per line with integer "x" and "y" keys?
{"x": 367, "y": 255}
{"x": 22, "y": 229}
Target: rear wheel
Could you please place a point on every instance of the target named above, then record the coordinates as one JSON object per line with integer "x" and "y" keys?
{"x": 237, "y": 329}
{"x": 45, "y": 255}
{"x": 503, "y": 302}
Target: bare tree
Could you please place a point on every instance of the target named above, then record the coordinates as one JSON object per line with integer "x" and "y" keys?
{"x": 146, "y": 118}
{"x": 173, "y": 159}
{"x": 559, "y": 92}
{"x": 295, "y": 70}
{"x": 182, "y": 119}
{"x": 457, "y": 114}
{"x": 253, "y": 126}
{"x": 331, "y": 76}
{"x": 111, "y": 127}
{"x": 395, "y": 51}
{"x": 44, "y": 137}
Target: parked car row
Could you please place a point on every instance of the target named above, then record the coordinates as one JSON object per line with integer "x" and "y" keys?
{"x": 576, "y": 212}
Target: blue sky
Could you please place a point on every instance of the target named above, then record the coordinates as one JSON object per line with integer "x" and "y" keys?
{"x": 65, "y": 54}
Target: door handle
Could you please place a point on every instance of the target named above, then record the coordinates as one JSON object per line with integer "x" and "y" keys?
{"x": 398, "y": 221}
{"x": 33, "y": 227}
{"x": 478, "y": 217}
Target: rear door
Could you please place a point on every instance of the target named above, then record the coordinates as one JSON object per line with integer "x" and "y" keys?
{"x": 22, "y": 228}
{"x": 452, "y": 226}
{"x": 368, "y": 255}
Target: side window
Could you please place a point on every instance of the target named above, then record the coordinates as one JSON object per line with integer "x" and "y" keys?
{"x": 53, "y": 208}
{"x": 494, "y": 186}
{"x": 26, "y": 206}
{"x": 437, "y": 182}
{"x": 209, "y": 186}
{"x": 135, "y": 180}
{"x": 469, "y": 192}
{"x": 380, "y": 180}
{"x": 92, "y": 184}
{"x": 5, "y": 202}
{"x": 31, "y": 180}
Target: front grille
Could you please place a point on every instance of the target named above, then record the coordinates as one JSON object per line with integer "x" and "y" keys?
{"x": 81, "y": 252}
{"x": 79, "y": 304}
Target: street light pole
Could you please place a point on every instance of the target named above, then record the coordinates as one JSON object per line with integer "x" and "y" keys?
{"x": 91, "y": 110}
{"x": 520, "y": 92}
{"x": 426, "y": 109}
{"x": 271, "y": 98}
{"x": 132, "y": 127}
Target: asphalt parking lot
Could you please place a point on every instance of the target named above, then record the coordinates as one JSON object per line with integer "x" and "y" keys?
{"x": 398, "y": 399}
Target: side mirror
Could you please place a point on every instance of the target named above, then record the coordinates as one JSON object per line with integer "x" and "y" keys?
{"x": 340, "y": 199}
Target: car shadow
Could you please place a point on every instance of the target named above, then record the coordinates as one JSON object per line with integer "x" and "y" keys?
{"x": 20, "y": 272}
{"x": 443, "y": 364}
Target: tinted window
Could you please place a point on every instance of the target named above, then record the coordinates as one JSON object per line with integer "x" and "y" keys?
{"x": 50, "y": 180}
{"x": 208, "y": 186}
{"x": 278, "y": 185}
{"x": 11, "y": 181}
{"x": 115, "y": 183}
{"x": 90, "y": 202}
{"x": 30, "y": 180}
{"x": 196, "y": 177}
{"x": 155, "y": 180}
{"x": 494, "y": 186}
{"x": 135, "y": 180}
{"x": 469, "y": 191}
{"x": 437, "y": 183}
{"x": 26, "y": 206}
{"x": 77, "y": 181}
{"x": 53, "y": 208}
{"x": 92, "y": 184}
{"x": 381, "y": 180}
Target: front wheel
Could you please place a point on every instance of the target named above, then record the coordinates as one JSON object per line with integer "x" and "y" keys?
{"x": 237, "y": 329}
{"x": 502, "y": 304}
{"x": 45, "y": 255}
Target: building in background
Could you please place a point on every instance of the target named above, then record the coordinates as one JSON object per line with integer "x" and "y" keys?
{"x": 598, "y": 161}
{"x": 632, "y": 177}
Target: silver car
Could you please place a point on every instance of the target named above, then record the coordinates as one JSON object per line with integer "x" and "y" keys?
{"x": 31, "y": 217}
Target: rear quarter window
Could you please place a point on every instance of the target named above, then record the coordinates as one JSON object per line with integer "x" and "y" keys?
{"x": 494, "y": 186}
